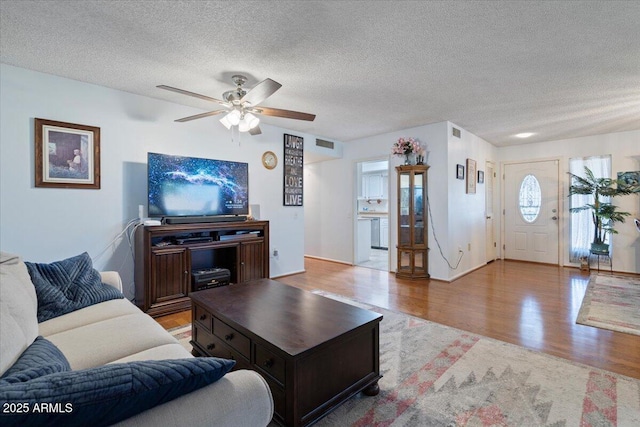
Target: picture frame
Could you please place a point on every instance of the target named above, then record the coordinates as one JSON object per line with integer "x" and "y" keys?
{"x": 629, "y": 179}
{"x": 480, "y": 177}
{"x": 471, "y": 176}
{"x": 459, "y": 172}
{"x": 67, "y": 155}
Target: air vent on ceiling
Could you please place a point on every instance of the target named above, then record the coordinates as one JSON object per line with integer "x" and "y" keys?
{"x": 323, "y": 143}
{"x": 456, "y": 132}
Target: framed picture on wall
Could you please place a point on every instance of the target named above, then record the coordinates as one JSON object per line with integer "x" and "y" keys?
{"x": 459, "y": 172}
{"x": 67, "y": 155}
{"x": 480, "y": 177}
{"x": 471, "y": 176}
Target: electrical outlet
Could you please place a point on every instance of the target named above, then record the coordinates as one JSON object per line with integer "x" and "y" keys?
{"x": 275, "y": 252}
{"x": 469, "y": 247}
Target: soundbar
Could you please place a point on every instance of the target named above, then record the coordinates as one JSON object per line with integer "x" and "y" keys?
{"x": 202, "y": 219}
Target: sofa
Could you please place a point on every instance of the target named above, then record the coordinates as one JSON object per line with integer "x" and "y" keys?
{"x": 106, "y": 362}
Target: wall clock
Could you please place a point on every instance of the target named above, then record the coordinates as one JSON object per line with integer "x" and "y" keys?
{"x": 269, "y": 160}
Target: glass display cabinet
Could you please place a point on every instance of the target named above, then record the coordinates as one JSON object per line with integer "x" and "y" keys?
{"x": 412, "y": 247}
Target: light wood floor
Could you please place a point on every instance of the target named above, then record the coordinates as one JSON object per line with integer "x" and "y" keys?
{"x": 527, "y": 304}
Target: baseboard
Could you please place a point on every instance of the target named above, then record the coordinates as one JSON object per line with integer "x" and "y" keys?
{"x": 288, "y": 274}
{"x": 464, "y": 273}
{"x": 328, "y": 259}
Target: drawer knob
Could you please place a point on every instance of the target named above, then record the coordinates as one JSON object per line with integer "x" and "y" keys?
{"x": 268, "y": 363}
{"x": 211, "y": 346}
{"x": 228, "y": 337}
{"x": 203, "y": 316}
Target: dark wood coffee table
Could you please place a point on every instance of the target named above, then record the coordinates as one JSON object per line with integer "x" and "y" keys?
{"x": 314, "y": 352}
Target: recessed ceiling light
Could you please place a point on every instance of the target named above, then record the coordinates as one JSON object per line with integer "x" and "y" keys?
{"x": 524, "y": 135}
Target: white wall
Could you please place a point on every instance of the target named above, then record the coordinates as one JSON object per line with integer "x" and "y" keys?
{"x": 466, "y": 212}
{"x": 47, "y": 224}
{"x": 624, "y": 148}
{"x": 331, "y": 198}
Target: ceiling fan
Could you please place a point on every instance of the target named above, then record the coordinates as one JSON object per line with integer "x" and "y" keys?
{"x": 242, "y": 105}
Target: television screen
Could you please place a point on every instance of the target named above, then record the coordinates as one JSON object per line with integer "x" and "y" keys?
{"x": 190, "y": 186}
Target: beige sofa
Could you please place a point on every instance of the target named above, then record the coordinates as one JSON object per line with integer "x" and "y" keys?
{"x": 116, "y": 331}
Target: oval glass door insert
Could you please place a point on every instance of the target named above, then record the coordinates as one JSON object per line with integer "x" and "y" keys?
{"x": 530, "y": 197}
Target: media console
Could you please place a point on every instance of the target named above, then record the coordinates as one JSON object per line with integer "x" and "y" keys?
{"x": 166, "y": 256}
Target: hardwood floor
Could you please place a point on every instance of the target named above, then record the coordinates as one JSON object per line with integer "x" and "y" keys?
{"x": 527, "y": 304}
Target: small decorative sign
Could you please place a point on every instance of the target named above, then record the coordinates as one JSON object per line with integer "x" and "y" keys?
{"x": 293, "y": 160}
{"x": 480, "y": 177}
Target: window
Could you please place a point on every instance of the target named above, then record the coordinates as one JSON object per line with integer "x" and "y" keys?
{"x": 530, "y": 197}
{"x": 582, "y": 229}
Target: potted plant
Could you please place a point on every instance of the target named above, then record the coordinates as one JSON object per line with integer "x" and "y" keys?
{"x": 603, "y": 213}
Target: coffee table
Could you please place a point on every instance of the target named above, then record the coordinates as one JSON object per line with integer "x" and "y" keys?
{"x": 313, "y": 351}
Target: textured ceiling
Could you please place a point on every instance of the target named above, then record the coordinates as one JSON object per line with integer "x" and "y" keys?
{"x": 558, "y": 69}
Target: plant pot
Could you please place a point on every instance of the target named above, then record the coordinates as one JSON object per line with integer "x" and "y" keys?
{"x": 602, "y": 248}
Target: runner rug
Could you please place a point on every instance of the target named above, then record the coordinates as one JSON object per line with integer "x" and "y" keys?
{"x": 612, "y": 302}
{"x": 434, "y": 375}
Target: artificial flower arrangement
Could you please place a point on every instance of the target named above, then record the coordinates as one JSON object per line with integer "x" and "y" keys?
{"x": 406, "y": 146}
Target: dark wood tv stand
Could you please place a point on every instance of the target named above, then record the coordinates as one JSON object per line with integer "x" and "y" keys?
{"x": 165, "y": 256}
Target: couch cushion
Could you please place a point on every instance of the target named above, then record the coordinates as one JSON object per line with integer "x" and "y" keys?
{"x": 68, "y": 285}
{"x": 18, "y": 310}
{"x": 88, "y": 315}
{"x": 161, "y": 352}
{"x": 108, "y": 394}
{"x": 40, "y": 358}
{"x": 102, "y": 342}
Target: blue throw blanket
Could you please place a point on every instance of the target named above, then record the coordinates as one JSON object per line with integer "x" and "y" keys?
{"x": 68, "y": 285}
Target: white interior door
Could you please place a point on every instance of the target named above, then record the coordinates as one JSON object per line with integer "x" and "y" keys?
{"x": 531, "y": 211}
{"x": 490, "y": 239}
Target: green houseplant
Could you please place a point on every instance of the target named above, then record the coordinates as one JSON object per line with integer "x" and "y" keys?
{"x": 603, "y": 213}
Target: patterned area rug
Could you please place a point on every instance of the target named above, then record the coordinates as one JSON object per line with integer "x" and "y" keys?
{"x": 183, "y": 335}
{"x": 434, "y": 375}
{"x": 612, "y": 302}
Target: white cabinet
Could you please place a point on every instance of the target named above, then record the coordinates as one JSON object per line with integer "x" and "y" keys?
{"x": 374, "y": 186}
{"x": 384, "y": 232}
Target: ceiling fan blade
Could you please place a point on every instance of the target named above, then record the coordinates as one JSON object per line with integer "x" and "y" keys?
{"x": 255, "y": 131}
{"x": 276, "y": 112}
{"x": 200, "y": 116}
{"x": 260, "y": 92}
{"x": 195, "y": 95}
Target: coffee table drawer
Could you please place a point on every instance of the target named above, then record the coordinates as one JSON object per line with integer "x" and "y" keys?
{"x": 202, "y": 316}
{"x": 270, "y": 363}
{"x": 232, "y": 337}
{"x": 215, "y": 347}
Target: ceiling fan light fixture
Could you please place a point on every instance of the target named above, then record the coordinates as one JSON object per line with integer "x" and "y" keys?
{"x": 225, "y": 122}
{"x": 243, "y": 126}
{"x": 234, "y": 117}
{"x": 251, "y": 120}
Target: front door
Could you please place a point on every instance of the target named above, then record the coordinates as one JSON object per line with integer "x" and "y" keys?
{"x": 531, "y": 211}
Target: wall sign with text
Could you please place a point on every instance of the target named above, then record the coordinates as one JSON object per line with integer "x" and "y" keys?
{"x": 293, "y": 157}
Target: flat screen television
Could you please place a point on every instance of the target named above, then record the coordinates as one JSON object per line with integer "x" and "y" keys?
{"x": 194, "y": 187}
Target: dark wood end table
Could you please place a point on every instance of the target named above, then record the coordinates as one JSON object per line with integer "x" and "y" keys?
{"x": 313, "y": 351}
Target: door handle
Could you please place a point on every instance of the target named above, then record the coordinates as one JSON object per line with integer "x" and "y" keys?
{"x": 554, "y": 218}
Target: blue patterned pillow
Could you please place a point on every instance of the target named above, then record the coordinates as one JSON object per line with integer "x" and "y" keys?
{"x": 108, "y": 394}
{"x": 42, "y": 357}
{"x": 68, "y": 285}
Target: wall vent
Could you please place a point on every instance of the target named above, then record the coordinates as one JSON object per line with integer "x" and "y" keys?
{"x": 456, "y": 132}
{"x": 323, "y": 143}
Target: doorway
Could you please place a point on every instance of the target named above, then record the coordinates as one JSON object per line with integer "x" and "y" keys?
{"x": 371, "y": 237}
{"x": 531, "y": 217}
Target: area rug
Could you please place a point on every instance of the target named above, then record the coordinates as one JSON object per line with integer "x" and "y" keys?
{"x": 612, "y": 302}
{"x": 434, "y": 375}
{"x": 183, "y": 335}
